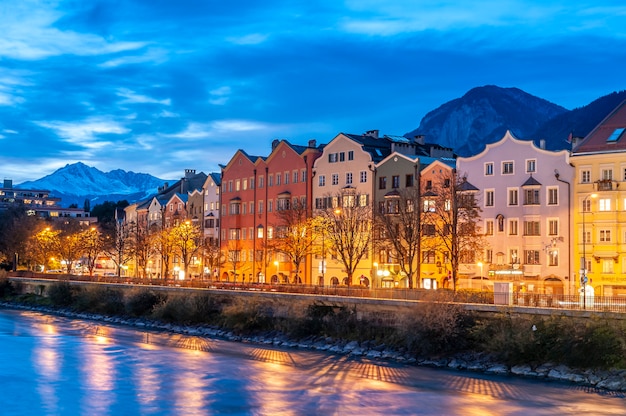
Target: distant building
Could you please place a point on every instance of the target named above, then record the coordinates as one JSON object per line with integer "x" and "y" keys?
{"x": 39, "y": 202}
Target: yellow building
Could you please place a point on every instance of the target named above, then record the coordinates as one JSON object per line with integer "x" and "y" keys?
{"x": 599, "y": 207}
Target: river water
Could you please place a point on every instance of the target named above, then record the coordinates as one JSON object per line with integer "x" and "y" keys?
{"x": 58, "y": 366}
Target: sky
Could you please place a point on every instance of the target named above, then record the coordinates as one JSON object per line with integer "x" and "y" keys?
{"x": 160, "y": 86}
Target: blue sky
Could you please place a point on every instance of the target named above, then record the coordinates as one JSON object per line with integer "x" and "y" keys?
{"x": 159, "y": 86}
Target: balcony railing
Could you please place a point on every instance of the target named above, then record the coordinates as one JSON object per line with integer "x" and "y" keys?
{"x": 604, "y": 185}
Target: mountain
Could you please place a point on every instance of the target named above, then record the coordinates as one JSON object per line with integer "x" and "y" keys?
{"x": 579, "y": 122}
{"x": 483, "y": 115}
{"x": 77, "y": 182}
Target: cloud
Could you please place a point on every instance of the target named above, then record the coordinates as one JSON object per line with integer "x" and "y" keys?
{"x": 30, "y": 34}
{"x": 251, "y": 39}
{"x": 86, "y": 133}
{"x": 133, "y": 98}
{"x": 219, "y": 96}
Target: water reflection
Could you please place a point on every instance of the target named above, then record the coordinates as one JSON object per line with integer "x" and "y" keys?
{"x": 85, "y": 368}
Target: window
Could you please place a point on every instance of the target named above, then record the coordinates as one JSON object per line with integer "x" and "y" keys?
{"x": 489, "y": 198}
{"x": 382, "y": 182}
{"x": 351, "y": 155}
{"x": 512, "y": 227}
{"x": 531, "y": 166}
{"x": 230, "y": 186}
{"x": 270, "y": 180}
{"x": 531, "y": 228}
{"x": 604, "y": 204}
{"x": 245, "y": 184}
{"x": 428, "y": 230}
{"x": 513, "y": 257}
{"x": 586, "y": 205}
{"x": 342, "y": 157}
{"x": 335, "y": 178}
{"x": 553, "y": 257}
{"x": 615, "y": 136}
{"x": 553, "y": 196}
{"x": 332, "y": 158}
{"x": 507, "y": 168}
{"x": 395, "y": 181}
{"x": 348, "y": 178}
{"x": 261, "y": 181}
{"x": 295, "y": 176}
{"x": 363, "y": 176}
{"x": 531, "y": 256}
{"x": 429, "y": 185}
{"x": 235, "y": 208}
{"x": 278, "y": 179}
{"x": 607, "y": 266}
{"x": 489, "y": 169}
{"x": 585, "y": 176}
{"x": 428, "y": 256}
{"x": 251, "y": 183}
{"x": 605, "y": 236}
{"x": 260, "y": 210}
{"x": 408, "y": 181}
{"x": 531, "y": 197}
{"x": 489, "y": 227}
{"x": 234, "y": 234}
{"x": 513, "y": 194}
{"x": 287, "y": 178}
{"x": 303, "y": 176}
{"x": 322, "y": 180}
{"x": 282, "y": 204}
{"x": 553, "y": 227}
{"x": 429, "y": 205}
{"x": 363, "y": 200}
{"x": 237, "y": 185}
{"x": 270, "y": 205}
{"x": 607, "y": 174}
{"x": 587, "y": 237}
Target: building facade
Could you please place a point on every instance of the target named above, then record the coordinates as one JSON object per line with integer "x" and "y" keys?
{"x": 599, "y": 207}
{"x": 525, "y": 202}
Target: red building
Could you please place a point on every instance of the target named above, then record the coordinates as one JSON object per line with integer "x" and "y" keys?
{"x": 254, "y": 189}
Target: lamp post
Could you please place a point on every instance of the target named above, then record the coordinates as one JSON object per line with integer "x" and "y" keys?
{"x": 276, "y": 264}
{"x": 480, "y": 264}
{"x": 583, "y": 269}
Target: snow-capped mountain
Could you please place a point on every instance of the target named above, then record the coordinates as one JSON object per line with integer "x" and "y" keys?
{"x": 78, "y": 182}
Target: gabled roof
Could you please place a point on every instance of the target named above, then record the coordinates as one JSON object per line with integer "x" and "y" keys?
{"x": 466, "y": 186}
{"x": 217, "y": 178}
{"x": 531, "y": 182}
{"x": 607, "y": 137}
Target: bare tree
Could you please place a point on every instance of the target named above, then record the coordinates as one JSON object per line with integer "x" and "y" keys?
{"x": 92, "y": 246}
{"x": 348, "y": 229}
{"x": 186, "y": 239}
{"x": 164, "y": 245}
{"x": 296, "y": 234}
{"x": 451, "y": 212}
{"x": 398, "y": 223}
{"x": 234, "y": 257}
{"x": 119, "y": 246}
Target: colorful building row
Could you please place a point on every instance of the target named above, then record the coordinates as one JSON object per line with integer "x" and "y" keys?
{"x": 550, "y": 219}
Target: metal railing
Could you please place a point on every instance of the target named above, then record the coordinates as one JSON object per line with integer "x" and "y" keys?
{"x": 535, "y": 300}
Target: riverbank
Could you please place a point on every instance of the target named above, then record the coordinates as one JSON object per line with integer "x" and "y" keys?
{"x": 612, "y": 380}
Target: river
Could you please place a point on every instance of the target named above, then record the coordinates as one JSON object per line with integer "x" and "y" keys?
{"x": 57, "y": 366}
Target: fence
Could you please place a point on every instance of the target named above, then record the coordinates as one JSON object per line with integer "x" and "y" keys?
{"x": 576, "y": 302}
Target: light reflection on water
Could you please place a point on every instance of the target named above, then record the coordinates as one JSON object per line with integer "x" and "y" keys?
{"x": 56, "y": 366}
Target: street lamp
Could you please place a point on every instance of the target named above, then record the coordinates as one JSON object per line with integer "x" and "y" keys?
{"x": 276, "y": 264}
{"x": 480, "y": 264}
{"x": 583, "y": 268}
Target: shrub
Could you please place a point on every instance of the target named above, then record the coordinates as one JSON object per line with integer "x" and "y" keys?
{"x": 6, "y": 287}
{"x": 142, "y": 302}
{"x": 102, "y": 300}
{"x": 61, "y": 294}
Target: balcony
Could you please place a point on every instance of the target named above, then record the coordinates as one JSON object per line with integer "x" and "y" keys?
{"x": 605, "y": 185}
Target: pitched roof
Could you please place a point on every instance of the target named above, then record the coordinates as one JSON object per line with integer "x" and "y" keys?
{"x": 607, "y": 137}
{"x": 531, "y": 182}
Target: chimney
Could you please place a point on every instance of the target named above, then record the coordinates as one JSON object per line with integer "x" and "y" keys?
{"x": 8, "y": 184}
{"x": 275, "y": 143}
{"x": 419, "y": 139}
{"x": 372, "y": 133}
{"x": 542, "y": 144}
{"x": 189, "y": 173}
{"x": 312, "y": 143}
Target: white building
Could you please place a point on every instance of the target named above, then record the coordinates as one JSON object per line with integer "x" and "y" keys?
{"x": 525, "y": 200}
